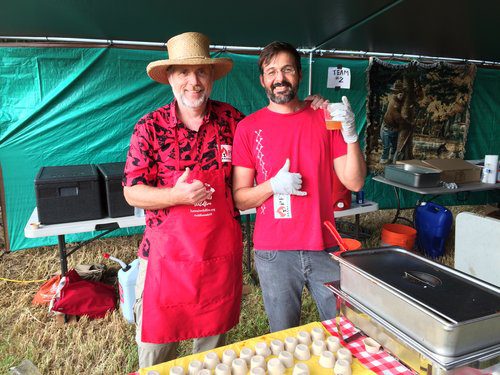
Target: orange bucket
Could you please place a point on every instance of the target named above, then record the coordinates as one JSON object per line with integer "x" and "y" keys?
{"x": 398, "y": 235}
{"x": 352, "y": 244}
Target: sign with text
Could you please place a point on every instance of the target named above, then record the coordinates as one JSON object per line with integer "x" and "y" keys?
{"x": 339, "y": 77}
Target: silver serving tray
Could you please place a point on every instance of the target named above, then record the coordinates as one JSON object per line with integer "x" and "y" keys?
{"x": 406, "y": 349}
{"x": 435, "y": 317}
{"x": 412, "y": 175}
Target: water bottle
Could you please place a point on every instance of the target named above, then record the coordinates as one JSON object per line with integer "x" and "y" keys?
{"x": 360, "y": 197}
{"x": 127, "y": 277}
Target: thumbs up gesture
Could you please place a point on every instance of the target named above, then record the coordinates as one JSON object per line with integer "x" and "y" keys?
{"x": 286, "y": 182}
{"x": 344, "y": 114}
{"x": 189, "y": 193}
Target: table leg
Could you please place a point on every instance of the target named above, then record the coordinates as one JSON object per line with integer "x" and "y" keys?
{"x": 356, "y": 218}
{"x": 398, "y": 208}
{"x": 62, "y": 254}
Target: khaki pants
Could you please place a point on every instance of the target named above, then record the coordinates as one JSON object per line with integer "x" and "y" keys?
{"x": 152, "y": 354}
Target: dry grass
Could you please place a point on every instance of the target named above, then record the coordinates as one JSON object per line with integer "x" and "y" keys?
{"x": 107, "y": 346}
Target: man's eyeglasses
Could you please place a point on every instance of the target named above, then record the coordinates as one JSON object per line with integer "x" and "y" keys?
{"x": 286, "y": 71}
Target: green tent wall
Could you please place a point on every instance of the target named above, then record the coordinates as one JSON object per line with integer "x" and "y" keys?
{"x": 64, "y": 106}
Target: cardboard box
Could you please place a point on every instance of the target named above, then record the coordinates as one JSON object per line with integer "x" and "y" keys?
{"x": 452, "y": 170}
{"x": 456, "y": 170}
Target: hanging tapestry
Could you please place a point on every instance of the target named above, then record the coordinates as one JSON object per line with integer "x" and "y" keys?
{"x": 416, "y": 111}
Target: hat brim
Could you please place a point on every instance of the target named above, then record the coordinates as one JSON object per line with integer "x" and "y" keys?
{"x": 157, "y": 70}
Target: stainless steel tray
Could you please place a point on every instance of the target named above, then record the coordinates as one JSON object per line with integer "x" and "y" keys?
{"x": 412, "y": 175}
{"x": 423, "y": 311}
{"x": 405, "y": 348}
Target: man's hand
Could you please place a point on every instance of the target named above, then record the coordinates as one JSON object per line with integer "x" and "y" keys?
{"x": 317, "y": 101}
{"x": 287, "y": 183}
{"x": 345, "y": 115}
{"x": 190, "y": 193}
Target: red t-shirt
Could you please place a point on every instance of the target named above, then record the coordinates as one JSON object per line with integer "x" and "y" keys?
{"x": 153, "y": 150}
{"x": 263, "y": 141}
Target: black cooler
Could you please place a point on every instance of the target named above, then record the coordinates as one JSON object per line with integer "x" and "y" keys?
{"x": 112, "y": 174}
{"x": 68, "y": 193}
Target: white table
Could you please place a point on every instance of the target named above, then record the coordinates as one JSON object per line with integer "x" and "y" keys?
{"x": 355, "y": 210}
{"x": 108, "y": 224}
{"x": 434, "y": 191}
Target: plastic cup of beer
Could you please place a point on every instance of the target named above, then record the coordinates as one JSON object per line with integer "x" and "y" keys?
{"x": 331, "y": 122}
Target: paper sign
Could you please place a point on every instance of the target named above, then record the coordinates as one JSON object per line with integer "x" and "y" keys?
{"x": 339, "y": 78}
{"x": 282, "y": 206}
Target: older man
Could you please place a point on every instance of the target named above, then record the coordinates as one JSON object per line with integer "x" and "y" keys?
{"x": 178, "y": 169}
{"x": 288, "y": 151}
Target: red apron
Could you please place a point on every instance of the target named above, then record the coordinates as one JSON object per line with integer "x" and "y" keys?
{"x": 194, "y": 276}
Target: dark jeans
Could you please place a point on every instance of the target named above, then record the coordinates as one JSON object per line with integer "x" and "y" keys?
{"x": 389, "y": 142}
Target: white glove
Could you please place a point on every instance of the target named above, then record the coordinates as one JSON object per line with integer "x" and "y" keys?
{"x": 345, "y": 115}
{"x": 287, "y": 183}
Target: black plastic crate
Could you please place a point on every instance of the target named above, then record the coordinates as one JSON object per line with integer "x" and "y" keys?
{"x": 112, "y": 174}
{"x": 68, "y": 193}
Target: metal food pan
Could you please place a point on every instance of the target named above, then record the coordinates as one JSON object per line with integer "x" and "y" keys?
{"x": 405, "y": 348}
{"x": 412, "y": 175}
{"x": 445, "y": 310}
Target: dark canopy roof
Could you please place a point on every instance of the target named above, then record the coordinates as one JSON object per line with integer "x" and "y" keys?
{"x": 443, "y": 28}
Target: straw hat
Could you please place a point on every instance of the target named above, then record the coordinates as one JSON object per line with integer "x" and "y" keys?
{"x": 188, "y": 49}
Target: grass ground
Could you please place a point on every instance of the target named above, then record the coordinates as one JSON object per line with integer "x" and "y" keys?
{"x": 107, "y": 346}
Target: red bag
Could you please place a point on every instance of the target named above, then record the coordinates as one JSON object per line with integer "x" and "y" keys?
{"x": 84, "y": 297}
{"x": 47, "y": 291}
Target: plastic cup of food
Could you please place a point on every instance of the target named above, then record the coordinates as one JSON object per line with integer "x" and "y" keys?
{"x": 262, "y": 349}
{"x": 302, "y": 352}
{"x": 304, "y": 337}
{"x": 258, "y": 371}
{"x": 246, "y": 354}
{"x": 286, "y": 358}
{"x": 194, "y": 367}
{"x": 211, "y": 360}
{"x": 371, "y": 346}
{"x": 342, "y": 367}
{"x": 222, "y": 369}
{"x": 291, "y": 343}
{"x": 317, "y": 347}
{"x": 333, "y": 344}
{"x": 327, "y": 359}
{"x": 228, "y": 356}
{"x": 239, "y": 366}
{"x": 317, "y": 333}
{"x": 344, "y": 353}
{"x": 258, "y": 361}
{"x": 176, "y": 370}
{"x": 300, "y": 369}
{"x": 332, "y": 123}
{"x": 275, "y": 367}
{"x": 277, "y": 346}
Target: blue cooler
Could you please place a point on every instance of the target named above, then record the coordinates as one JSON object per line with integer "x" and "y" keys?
{"x": 433, "y": 224}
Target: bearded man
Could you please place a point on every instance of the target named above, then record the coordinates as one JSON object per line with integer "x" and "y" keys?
{"x": 179, "y": 170}
{"x": 284, "y": 159}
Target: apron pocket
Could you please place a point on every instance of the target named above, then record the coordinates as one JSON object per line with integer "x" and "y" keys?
{"x": 219, "y": 278}
{"x": 180, "y": 282}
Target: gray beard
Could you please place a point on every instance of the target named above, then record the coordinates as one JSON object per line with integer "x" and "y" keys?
{"x": 196, "y": 104}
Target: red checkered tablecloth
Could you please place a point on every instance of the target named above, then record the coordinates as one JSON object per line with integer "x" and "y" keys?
{"x": 381, "y": 363}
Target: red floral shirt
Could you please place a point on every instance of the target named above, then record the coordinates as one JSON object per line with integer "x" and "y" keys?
{"x": 153, "y": 150}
